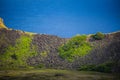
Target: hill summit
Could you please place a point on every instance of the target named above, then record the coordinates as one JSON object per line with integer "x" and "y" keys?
{"x": 2, "y": 25}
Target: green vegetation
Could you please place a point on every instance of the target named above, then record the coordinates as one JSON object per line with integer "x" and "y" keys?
{"x": 17, "y": 55}
{"x": 105, "y": 67}
{"x": 75, "y": 47}
{"x": 44, "y": 54}
{"x": 51, "y": 74}
{"x": 98, "y": 36}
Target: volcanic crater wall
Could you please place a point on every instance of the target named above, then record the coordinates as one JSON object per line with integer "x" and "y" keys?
{"x": 47, "y": 54}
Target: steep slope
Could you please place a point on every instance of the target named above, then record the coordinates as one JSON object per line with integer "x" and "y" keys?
{"x": 47, "y": 49}
{"x": 19, "y": 49}
{"x": 105, "y": 52}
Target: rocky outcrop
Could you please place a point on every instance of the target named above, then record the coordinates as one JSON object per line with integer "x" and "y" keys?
{"x": 2, "y": 25}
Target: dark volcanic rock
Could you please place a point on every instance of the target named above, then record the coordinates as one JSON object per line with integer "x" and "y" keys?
{"x": 7, "y": 37}
{"x": 48, "y": 44}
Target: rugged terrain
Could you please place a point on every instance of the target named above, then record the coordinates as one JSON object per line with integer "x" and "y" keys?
{"x": 20, "y": 50}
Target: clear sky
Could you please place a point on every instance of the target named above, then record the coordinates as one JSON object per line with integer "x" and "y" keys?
{"x": 64, "y": 18}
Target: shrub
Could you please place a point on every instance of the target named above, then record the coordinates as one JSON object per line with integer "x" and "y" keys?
{"x": 98, "y": 36}
{"x": 105, "y": 67}
{"x": 40, "y": 66}
{"x": 87, "y": 68}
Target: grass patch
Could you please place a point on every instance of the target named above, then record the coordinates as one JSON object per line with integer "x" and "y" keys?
{"x": 51, "y": 74}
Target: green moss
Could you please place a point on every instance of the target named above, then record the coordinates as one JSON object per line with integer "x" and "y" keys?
{"x": 16, "y": 56}
{"x": 75, "y": 47}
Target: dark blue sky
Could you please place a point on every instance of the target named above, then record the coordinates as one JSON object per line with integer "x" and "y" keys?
{"x": 64, "y": 18}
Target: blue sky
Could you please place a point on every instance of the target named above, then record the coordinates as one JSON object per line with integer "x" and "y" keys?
{"x": 64, "y": 18}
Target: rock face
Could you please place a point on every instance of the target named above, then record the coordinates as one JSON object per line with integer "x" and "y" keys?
{"x": 47, "y": 49}
{"x": 7, "y": 37}
{"x": 2, "y": 24}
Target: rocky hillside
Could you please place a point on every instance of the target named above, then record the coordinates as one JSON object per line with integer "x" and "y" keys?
{"x": 104, "y": 52}
{"x": 19, "y": 50}
{"x": 15, "y": 43}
